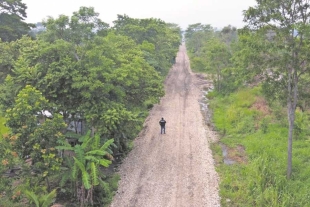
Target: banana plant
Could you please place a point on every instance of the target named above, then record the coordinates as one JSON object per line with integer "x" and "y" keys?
{"x": 88, "y": 157}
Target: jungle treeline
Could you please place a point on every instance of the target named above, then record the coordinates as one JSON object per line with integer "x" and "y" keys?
{"x": 260, "y": 102}
{"x": 73, "y": 96}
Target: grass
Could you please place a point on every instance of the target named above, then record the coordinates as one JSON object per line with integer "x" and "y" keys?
{"x": 245, "y": 119}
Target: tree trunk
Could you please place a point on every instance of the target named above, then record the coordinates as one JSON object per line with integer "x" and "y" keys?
{"x": 291, "y": 108}
{"x": 218, "y": 79}
{"x": 291, "y": 118}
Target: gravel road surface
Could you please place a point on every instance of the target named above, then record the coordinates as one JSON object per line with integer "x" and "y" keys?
{"x": 175, "y": 169}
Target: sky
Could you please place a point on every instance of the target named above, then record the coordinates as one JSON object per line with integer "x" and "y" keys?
{"x": 218, "y": 13}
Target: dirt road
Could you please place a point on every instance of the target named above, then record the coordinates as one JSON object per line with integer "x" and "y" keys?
{"x": 174, "y": 169}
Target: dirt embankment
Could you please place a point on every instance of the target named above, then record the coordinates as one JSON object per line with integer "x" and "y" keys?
{"x": 174, "y": 169}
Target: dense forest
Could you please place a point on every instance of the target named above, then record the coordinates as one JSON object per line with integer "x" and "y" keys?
{"x": 260, "y": 102}
{"x": 74, "y": 93}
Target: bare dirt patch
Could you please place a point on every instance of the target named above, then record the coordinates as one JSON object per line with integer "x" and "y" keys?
{"x": 238, "y": 154}
{"x": 261, "y": 105}
{"x": 174, "y": 169}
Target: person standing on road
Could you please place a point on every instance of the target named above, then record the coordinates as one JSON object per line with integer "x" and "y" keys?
{"x": 162, "y": 124}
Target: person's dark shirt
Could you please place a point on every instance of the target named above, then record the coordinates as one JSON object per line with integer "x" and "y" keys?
{"x": 162, "y": 122}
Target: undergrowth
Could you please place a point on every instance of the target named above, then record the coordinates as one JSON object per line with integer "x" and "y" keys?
{"x": 245, "y": 119}
{"x": 3, "y": 128}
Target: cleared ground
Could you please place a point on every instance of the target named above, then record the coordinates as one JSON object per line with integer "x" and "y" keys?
{"x": 174, "y": 169}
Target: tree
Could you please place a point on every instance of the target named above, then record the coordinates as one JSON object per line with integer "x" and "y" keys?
{"x": 83, "y": 26}
{"x": 12, "y": 14}
{"x": 285, "y": 50}
{"x": 33, "y": 135}
{"x": 115, "y": 84}
{"x": 10, "y": 52}
{"x": 197, "y": 37}
{"x": 217, "y": 59}
{"x": 23, "y": 118}
{"x": 211, "y": 51}
{"x": 13, "y": 7}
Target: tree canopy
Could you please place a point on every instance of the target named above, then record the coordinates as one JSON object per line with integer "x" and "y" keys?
{"x": 81, "y": 71}
{"x": 12, "y": 15}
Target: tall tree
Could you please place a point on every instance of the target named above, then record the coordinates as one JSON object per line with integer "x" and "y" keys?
{"x": 12, "y": 15}
{"x": 284, "y": 49}
{"x": 217, "y": 57}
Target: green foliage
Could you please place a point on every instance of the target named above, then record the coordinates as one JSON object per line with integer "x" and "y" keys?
{"x": 198, "y": 64}
{"x": 218, "y": 58}
{"x": 159, "y": 41}
{"x": 79, "y": 70}
{"x": 23, "y": 120}
{"x": 196, "y": 35}
{"x": 81, "y": 27}
{"x": 106, "y": 81}
{"x": 6, "y": 59}
{"x": 243, "y": 120}
{"x": 7, "y": 202}
{"x": 238, "y": 117}
{"x": 12, "y": 14}
{"x": 212, "y": 52}
{"x": 88, "y": 157}
{"x": 107, "y": 190}
{"x": 3, "y": 128}
{"x": 41, "y": 200}
{"x": 284, "y": 51}
{"x": 31, "y": 137}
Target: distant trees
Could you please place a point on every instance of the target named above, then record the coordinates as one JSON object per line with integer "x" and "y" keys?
{"x": 218, "y": 56}
{"x": 159, "y": 41}
{"x": 211, "y": 51}
{"x": 196, "y": 35}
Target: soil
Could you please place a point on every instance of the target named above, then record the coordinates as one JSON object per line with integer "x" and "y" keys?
{"x": 177, "y": 168}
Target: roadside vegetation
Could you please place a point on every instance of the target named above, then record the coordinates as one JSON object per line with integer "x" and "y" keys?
{"x": 3, "y": 128}
{"x": 255, "y": 137}
{"x": 259, "y": 103}
{"x": 74, "y": 95}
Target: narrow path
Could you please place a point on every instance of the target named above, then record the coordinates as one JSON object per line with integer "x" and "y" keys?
{"x": 174, "y": 169}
